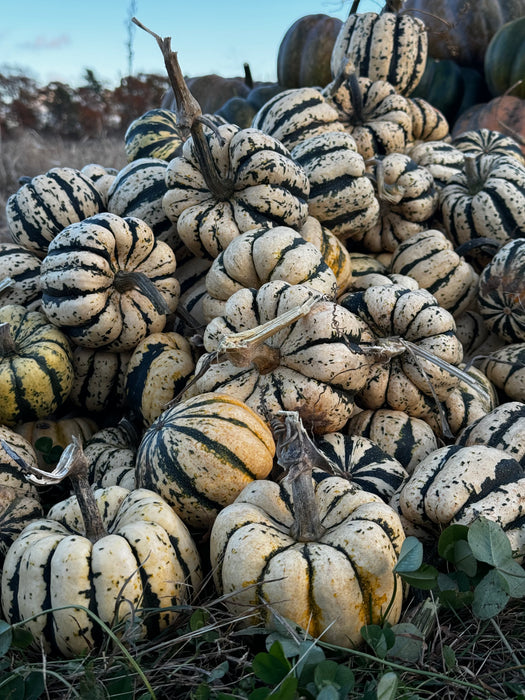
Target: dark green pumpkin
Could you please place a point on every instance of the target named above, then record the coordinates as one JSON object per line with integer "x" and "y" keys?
{"x": 504, "y": 62}
{"x": 305, "y": 51}
{"x": 451, "y": 88}
{"x": 241, "y": 110}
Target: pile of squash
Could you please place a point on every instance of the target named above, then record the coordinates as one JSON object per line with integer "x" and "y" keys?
{"x": 268, "y": 353}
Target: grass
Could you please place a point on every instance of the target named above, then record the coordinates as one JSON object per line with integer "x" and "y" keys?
{"x": 28, "y": 153}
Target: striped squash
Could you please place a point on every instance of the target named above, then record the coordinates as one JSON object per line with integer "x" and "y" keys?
{"x": 296, "y": 352}
{"x": 111, "y": 454}
{"x": 341, "y": 197}
{"x": 295, "y": 115}
{"x": 158, "y": 370}
{"x": 155, "y": 134}
{"x": 262, "y": 255}
{"x": 505, "y": 367}
{"x": 200, "y": 454}
{"x": 430, "y": 259}
{"x": 101, "y": 177}
{"x": 11, "y": 475}
{"x": 36, "y": 365}
{"x": 479, "y": 142}
{"x": 333, "y": 251}
{"x": 487, "y": 200}
{"x": 146, "y": 559}
{"x": 457, "y": 484}
{"x": 41, "y": 208}
{"x": 403, "y": 437}
{"x": 501, "y": 292}
{"x": 428, "y": 123}
{"x": 364, "y": 463}
{"x": 107, "y": 282}
{"x": 503, "y": 427}
{"x": 249, "y": 180}
{"x": 191, "y": 275}
{"x": 19, "y": 275}
{"x": 387, "y": 46}
{"x": 16, "y": 511}
{"x": 138, "y": 191}
{"x": 440, "y": 158}
{"x": 98, "y": 384}
{"x": 330, "y": 585}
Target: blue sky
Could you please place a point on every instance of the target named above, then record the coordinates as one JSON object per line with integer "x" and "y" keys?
{"x": 54, "y": 40}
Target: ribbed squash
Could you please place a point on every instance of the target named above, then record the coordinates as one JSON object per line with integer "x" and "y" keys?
{"x": 111, "y": 454}
{"x": 440, "y": 158}
{"x": 98, "y": 384}
{"x": 333, "y": 251}
{"x": 501, "y": 292}
{"x": 10, "y": 473}
{"x": 401, "y": 436}
{"x": 479, "y": 142}
{"x": 428, "y": 123}
{"x": 17, "y": 510}
{"x": 341, "y": 196}
{"x": 505, "y": 367}
{"x": 155, "y": 134}
{"x": 456, "y": 484}
{"x": 200, "y": 454}
{"x": 319, "y": 553}
{"x": 157, "y": 372}
{"x": 262, "y": 255}
{"x": 36, "y": 365}
{"x": 101, "y": 177}
{"x": 503, "y": 427}
{"x": 107, "y": 282}
{"x": 387, "y": 46}
{"x": 504, "y": 60}
{"x": 41, "y": 208}
{"x": 247, "y": 180}
{"x": 124, "y": 555}
{"x": 430, "y": 259}
{"x": 19, "y": 275}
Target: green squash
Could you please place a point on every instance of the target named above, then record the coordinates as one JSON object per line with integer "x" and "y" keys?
{"x": 504, "y": 62}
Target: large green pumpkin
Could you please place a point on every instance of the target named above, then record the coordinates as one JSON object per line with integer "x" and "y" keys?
{"x": 504, "y": 62}
{"x": 305, "y": 51}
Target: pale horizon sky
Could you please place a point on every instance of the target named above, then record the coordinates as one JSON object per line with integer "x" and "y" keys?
{"x": 54, "y": 40}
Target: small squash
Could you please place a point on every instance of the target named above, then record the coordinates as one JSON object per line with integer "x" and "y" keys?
{"x": 19, "y": 275}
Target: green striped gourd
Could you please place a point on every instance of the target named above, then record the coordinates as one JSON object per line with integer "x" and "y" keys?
{"x": 387, "y": 46}
{"x": 430, "y": 259}
{"x": 364, "y": 463}
{"x": 16, "y": 511}
{"x": 341, "y": 197}
{"x": 11, "y": 475}
{"x": 141, "y": 564}
{"x": 107, "y": 282}
{"x": 155, "y": 134}
{"x": 428, "y": 123}
{"x": 191, "y": 275}
{"x": 457, "y": 484}
{"x": 333, "y": 251}
{"x": 487, "y": 200}
{"x": 403, "y": 437}
{"x": 501, "y": 292}
{"x": 19, "y": 275}
{"x": 503, "y": 427}
{"x": 200, "y": 454}
{"x": 479, "y": 142}
{"x": 157, "y": 372}
{"x": 111, "y": 454}
{"x": 249, "y": 180}
{"x": 262, "y": 255}
{"x": 36, "y": 365}
{"x": 101, "y": 177}
{"x": 440, "y": 158}
{"x": 98, "y": 384}
{"x": 41, "y": 208}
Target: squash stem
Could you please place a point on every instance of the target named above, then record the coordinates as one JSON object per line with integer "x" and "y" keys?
{"x": 7, "y": 342}
{"x": 126, "y": 281}
{"x": 297, "y": 454}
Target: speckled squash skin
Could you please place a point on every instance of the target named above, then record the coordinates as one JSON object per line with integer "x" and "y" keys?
{"x": 10, "y": 473}
{"x": 17, "y": 510}
{"x": 200, "y": 454}
{"x": 155, "y": 134}
{"x": 19, "y": 275}
{"x": 505, "y": 367}
{"x": 111, "y": 454}
{"x": 86, "y": 287}
{"x": 36, "y": 369}
{"x": 143, "y": 534}
{"x": 331, "y": 586}
{"x": 456, "y": 484}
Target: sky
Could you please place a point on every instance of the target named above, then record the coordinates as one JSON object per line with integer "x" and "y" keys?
{"x": 55, "y": 40}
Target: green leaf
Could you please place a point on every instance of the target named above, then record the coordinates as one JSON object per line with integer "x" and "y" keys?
{"x": 219, "y": 671}
{"x": 6, "y": 637}
{"x": 449, "y": 657}
{"x": 488, "y": 542}
{"x": 44, "y": 445}
{"x": 456, "y": 599}
{"x": 387, "y": 686}
{"x": 464, "y": 559}
{"x": 309, "y": 656}
{"x": 514, "y": 575}
{"x": 271, "y": 667}
{"x": 328, "y": 692}
{"x": 448, "y": 539}
{"x": 408, "y": 642}
{"x": 287, "y": 690}
{"x": 490, "y": 595}
{"x": 35, "y": 686}
{"x": 410, "y": 556}
{"x": 22, "y": 638}
{"x": 258, "y": 694}
{"x": 379, "y": 638}
{"x": 424, "y": 578}
{"x": 12, "y": 688}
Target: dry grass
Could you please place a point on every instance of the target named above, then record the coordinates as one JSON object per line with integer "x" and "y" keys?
{"x": 29, "y": 153}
